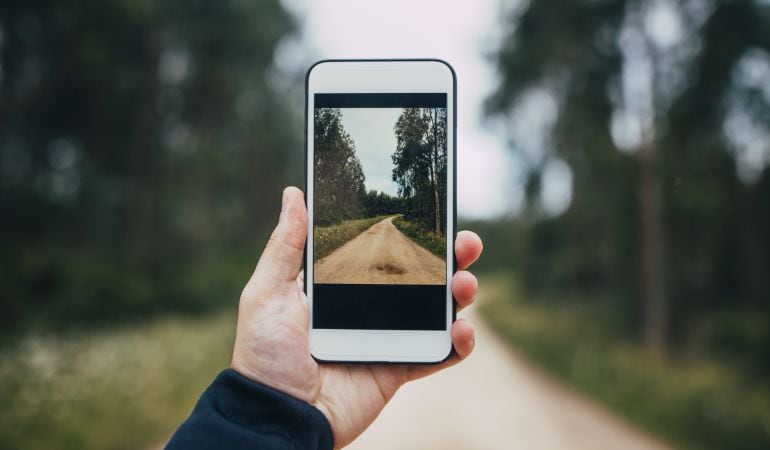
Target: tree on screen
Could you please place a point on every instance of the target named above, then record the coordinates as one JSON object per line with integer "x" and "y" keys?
{"x": 420, "y": 164}
{"x": 339, "y": 178}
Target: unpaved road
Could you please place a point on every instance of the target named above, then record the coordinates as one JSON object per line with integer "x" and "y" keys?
{"x": 495, "y": 400}
{"x": 380, "y": 255}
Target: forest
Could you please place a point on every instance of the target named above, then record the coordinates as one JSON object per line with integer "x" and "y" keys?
{"x": 671, "y": 222}
{"x": 419, "y": 170}
{"x": 135, "y": 139}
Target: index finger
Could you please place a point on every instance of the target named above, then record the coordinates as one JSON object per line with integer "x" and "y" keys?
{"x": 468, "y": 247}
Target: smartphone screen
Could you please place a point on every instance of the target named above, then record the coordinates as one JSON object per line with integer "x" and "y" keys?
{"x": 380, "y": 211}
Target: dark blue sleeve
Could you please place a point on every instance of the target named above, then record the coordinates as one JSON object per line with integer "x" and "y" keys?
{"x": 235, "y": 412}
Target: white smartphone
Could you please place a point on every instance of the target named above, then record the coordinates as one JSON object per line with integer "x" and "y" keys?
{"x": 380, "y": 174}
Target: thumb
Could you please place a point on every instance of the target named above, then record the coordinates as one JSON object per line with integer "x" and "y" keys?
{"x": 281, "y": 261}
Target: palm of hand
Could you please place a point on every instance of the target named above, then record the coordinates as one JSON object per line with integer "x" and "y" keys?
{"x": 271, "y": 342}
{"x": 277, "y": 354}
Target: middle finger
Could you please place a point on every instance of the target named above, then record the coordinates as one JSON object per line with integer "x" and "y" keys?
{"x": 464, "y": 288}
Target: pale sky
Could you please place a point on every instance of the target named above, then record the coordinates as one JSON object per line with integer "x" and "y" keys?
{"x": 372, "y": 131}
{"x": 460, "y": 32}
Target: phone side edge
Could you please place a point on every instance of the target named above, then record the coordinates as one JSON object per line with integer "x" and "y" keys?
{"x": 452, "y": 349}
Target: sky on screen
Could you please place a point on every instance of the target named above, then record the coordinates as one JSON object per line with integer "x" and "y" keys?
{"x": 372, "y": 131}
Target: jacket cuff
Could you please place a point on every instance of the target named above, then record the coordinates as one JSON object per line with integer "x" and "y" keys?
{"x": 237, "y": 412}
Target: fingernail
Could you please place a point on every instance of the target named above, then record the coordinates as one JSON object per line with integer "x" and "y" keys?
{"x": 284, "y": 200}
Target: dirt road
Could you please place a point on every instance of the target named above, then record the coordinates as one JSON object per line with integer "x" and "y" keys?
{"x": 495, "y": 400}
{"x": 381, "y": 255}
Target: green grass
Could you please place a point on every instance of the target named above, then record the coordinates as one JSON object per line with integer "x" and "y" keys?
{"x": 328, "y": 239}
{"x": 118, "y": 389}
{"x": 694, "y": 404}
{"x": 427, "y": 239}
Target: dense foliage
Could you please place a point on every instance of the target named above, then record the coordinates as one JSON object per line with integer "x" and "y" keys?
{"x": 380, "y": 203}
{"x": 141, "y": 143}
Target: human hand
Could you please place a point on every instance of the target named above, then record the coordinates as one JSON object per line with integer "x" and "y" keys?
{"x": 271, "y": 342}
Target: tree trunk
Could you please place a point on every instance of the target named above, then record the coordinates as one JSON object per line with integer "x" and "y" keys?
{"x": 434, "y": 186}
{"x": 434, "y": 172}
{"x": 141, "y": 205}
{"x": 653, "y": 252}
{"x": 652, "y": 226}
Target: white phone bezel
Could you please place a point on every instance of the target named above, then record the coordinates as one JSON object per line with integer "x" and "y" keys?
{"x": 373, "y": 76}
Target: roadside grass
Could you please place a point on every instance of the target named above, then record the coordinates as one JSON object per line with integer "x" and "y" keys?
{"x": 109, "y": 389}
{"x": 693, "y": 404}
{"x": 328, "y": 239}
{"x": 425, "y": 238}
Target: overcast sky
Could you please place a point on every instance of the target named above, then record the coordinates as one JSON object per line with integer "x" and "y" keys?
{"x": 372, "y": 131}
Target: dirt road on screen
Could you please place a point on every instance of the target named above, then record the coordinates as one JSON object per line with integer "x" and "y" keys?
{"x": 381, "y": 255}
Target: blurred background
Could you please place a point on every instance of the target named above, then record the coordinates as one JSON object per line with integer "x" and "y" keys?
{"x": 612, "y": 154}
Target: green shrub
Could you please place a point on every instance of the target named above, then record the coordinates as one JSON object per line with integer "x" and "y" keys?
{"x": 696, "y": 404}
{"x": 741, "y": 337}
{"x": 427, "y": 239}
{"x": 118, "y": 388}
{"x": 328, "y": 239}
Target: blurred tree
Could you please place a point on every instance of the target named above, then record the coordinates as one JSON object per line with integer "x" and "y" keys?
{"x": 657, "y": 107}
{"x": 139, "y": 145}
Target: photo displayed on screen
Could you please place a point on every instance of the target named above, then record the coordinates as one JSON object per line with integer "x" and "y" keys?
{"x": 380, "y": 200}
